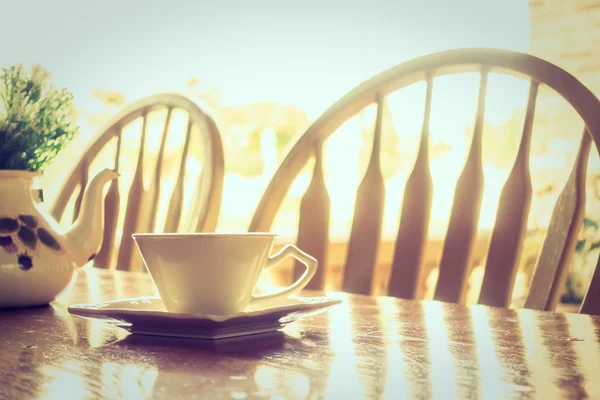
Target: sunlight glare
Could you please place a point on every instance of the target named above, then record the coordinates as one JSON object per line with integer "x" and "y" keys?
{"x": 530, "y": 322}
{"x": 443, "y": 374}
{"x": 490, "y": 370}
{"x": 344, "y": 379}
{"x": 65, "y": 380}
{"x": 396, "y": 386}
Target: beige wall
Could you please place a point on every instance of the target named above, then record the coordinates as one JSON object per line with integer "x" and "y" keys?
{"x": 567, "y": 33}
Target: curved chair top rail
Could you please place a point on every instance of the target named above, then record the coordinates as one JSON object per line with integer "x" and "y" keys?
{"x": 437, "y": 64}
{"x": 507, "y": 237}
{"x": 198, "y": 112}
{"x": 142, "y": 205}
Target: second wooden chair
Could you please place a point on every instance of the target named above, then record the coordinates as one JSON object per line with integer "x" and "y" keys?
{"x": 511, "y": 220}
{"x": 172, "y": 175}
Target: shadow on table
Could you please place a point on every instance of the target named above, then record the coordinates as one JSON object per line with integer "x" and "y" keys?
{"x": 251, "y": 346}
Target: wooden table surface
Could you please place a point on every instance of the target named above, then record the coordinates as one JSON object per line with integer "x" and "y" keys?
{"x": 366, "y": 348}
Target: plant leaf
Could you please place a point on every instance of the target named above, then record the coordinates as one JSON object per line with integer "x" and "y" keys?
{"x": 29, "y": 220}
{"x": 49, "y": 240}
{"x": 28, "y": 237}
{"x": 8, "y": 225}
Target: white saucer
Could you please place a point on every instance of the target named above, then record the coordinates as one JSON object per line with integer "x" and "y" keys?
{"x": 148, "y": 316}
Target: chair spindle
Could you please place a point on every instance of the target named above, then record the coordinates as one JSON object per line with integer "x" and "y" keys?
{"x": 368, "y": 216}
{"x": 412, "y": 235}
{"x": 511, "y": 221}
{"x": 313, "y": 229}
{"x": 104, "y": 259}
{"x": 176, "y": 202}
{"x": 154, "y": 189}
{"x": 136, "y": 193}
{"x": 83, "y": 181}
{"x": 591, "y": 303}
{"x": 464, "y": 218}
{"x": 551, "y": 270}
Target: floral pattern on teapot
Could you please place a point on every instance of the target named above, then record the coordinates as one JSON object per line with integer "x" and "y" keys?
{"x": 23, "y": 232}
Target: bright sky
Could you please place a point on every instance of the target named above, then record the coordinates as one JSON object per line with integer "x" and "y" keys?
{"x": 307, "y": 53}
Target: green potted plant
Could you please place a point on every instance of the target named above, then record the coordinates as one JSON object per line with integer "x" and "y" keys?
{"x": 585, "y": 258}
{"x": 37, "y": 258}
{"x": 36, "y": 119}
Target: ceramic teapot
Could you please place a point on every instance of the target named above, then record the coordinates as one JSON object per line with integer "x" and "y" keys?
{"x": 38, "y": 259}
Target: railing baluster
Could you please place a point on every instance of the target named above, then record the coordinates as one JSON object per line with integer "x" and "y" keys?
{"x": 176, "y": 203}
{"x": 464, "y": 218}
{"x": 549, "y": 277}
{"x": 136, "y": 192}
{"x": 368, "y": 215}
{"x": 511, "y": 221}
{"x": 313, "y": 229}
{"x": 410, "y": 245}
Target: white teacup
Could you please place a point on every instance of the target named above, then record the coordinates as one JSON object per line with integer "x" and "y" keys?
{"x": 212, "y": 273}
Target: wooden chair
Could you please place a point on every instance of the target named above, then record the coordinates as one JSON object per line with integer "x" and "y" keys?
{"x": 509, "y": 230}
{"x": 198, "y": 137}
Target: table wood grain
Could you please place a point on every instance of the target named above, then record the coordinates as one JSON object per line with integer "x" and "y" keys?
{"x": 368, "y": 347}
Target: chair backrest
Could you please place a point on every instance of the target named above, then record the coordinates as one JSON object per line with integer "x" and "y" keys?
{"x": 171, "y": 170}
{"x": 509, "y": 231}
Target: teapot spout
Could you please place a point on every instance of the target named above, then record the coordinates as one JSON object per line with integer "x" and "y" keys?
{"x": 84, "y": 237}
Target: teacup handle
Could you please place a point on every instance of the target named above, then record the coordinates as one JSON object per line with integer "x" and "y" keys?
{"x": 289, "y": 251}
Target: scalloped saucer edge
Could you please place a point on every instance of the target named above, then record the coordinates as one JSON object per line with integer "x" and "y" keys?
{"x": 148, "y": 316}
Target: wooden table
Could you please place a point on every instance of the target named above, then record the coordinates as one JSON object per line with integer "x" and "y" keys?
{"x": 366, "y": 348}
